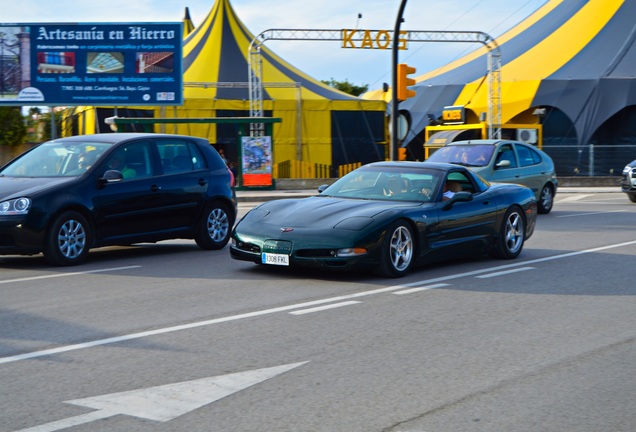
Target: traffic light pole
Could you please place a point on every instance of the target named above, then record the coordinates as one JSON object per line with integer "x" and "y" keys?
{"x": 394, "y": 102}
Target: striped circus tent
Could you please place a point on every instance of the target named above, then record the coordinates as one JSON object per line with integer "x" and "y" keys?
{"x": 574, "y": 60}
{"x": 319, "y": 123}
{"x": 188, "y": 25}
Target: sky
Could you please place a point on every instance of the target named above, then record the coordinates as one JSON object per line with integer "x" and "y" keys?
{"x": 322, "y": 60}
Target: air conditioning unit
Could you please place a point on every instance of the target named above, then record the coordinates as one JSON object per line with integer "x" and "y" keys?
{"x": 527, "y": 135}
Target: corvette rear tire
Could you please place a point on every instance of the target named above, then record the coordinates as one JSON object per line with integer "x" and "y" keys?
{"x": 512, "y": 235}
{"x": 398, "y": 251}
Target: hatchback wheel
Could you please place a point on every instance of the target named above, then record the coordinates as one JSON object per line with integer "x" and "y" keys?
{"x": 214, "y": 227}
{"x": 68, "y": 240}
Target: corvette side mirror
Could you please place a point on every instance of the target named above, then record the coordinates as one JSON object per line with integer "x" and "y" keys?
{"x": 458, "y": 197}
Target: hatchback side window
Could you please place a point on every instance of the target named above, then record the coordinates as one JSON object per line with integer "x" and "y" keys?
{"x": 132, "y": 160}
{"x": 179, "y": 156}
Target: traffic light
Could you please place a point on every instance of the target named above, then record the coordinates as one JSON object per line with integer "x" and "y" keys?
{"x": 402, "y": 153}
{"x": 404, "y": 82}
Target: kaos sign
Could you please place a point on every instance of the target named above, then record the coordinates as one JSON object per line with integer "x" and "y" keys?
{"x": 372, "y": 39}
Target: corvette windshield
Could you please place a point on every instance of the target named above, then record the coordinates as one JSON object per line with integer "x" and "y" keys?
{"x": 54, "y": 159}
{"x": 467, "y": 155}
{"x": 386, "y": 183}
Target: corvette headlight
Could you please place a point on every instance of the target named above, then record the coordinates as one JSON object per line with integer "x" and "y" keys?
{"x": 18, "y": 206}
{"x": 351, "y": 252}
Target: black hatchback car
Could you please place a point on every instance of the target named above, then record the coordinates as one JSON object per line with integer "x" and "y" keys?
{"x": 69, "y": 195}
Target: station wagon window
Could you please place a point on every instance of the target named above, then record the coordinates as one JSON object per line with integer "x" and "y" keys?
{"x": 506, "y": 152}
{"x": 527, "y": 156}
{"x": 179, "y": 156}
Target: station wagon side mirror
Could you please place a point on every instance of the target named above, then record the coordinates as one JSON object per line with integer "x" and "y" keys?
{"x": 503, "y": 164}
{"x": 322, "y": 188}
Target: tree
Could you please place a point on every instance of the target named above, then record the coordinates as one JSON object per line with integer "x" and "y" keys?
{"x": 46, "y": 119}
{"x": 347, "y": 87}
{"x": 12, "y": 127}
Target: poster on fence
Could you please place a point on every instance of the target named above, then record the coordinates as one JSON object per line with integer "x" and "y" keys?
{"x": 257, "y": 161}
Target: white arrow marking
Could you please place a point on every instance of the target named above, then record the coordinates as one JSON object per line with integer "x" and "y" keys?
{"x": 166, "y": 402}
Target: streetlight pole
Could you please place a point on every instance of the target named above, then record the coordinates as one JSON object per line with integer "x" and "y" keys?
{"x": 2, "y": 38}
{"x": 394, "y": 102}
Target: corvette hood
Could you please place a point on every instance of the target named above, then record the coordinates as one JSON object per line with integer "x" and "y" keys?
{"x": 320, "y": 212}
{"x": 14, "y": 187}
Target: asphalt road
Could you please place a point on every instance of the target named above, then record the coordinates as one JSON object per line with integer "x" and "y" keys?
{"x": 168, "y": 337}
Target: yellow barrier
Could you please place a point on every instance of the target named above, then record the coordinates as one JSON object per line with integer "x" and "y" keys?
{"x": 302, "y": 169}
{"x": 346, "y": 169}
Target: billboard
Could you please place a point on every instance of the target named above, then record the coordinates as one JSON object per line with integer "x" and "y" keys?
{"x": 91, "y": 64}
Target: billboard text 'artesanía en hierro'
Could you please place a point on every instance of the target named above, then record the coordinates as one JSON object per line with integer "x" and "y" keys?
{"x": 91, "y": 64}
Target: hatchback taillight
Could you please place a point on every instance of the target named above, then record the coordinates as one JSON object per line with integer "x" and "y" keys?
{"x": 232, "y": 179}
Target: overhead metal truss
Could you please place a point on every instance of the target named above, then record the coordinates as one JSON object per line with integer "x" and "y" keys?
{"x": 255, "y": 69}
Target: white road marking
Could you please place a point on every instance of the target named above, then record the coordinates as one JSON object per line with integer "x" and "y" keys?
{"x": 67, "y": 274}
{"x": 165, "y": 330}
{"x": 166, "y": 402}
{"x": 591, "y": 213}
{"x": 576, "y": 197}
{"x": 322, "y": 308}
{"x": 505, "y": 272}
{"x": 423, "y": 288}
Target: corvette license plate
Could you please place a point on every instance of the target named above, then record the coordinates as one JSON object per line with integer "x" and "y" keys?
{"x": 275, "y": 259}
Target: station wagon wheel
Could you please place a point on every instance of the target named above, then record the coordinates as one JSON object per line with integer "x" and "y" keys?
{"x": 68, "y": 240}
{"x": 512, "y": 235}
{"x": 397, "y": 251}
{"x": 214, "y": 227}
{"x": 546, "y": 199}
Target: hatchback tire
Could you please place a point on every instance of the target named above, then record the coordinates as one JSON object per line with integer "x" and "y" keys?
{"x": 68, "y": 240}
{"x": 214, "y": 227}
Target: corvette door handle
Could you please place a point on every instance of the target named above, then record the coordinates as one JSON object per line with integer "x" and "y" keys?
{"x": 202, "y": 182}
{"x": 155, "y": 188}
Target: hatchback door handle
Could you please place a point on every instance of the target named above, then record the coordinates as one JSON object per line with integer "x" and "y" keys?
{"x": 155, "y": 188}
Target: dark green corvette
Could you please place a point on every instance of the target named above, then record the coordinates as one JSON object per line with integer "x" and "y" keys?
{"x": 389, "y": 217}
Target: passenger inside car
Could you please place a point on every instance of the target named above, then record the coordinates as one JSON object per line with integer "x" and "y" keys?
{"x": 451, "y": 187}
{"x": 118, "y": 163}
{"x": 396, "y": 185}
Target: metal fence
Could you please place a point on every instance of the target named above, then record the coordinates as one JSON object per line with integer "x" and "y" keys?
{"x": 590, "y": 160}
{"x": 569, "y": 160}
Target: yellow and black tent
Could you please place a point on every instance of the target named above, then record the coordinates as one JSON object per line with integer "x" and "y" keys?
{"x": 319, "y": 123}
{"x": 572, "y": 61}
{"x": 188, "y": 25}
